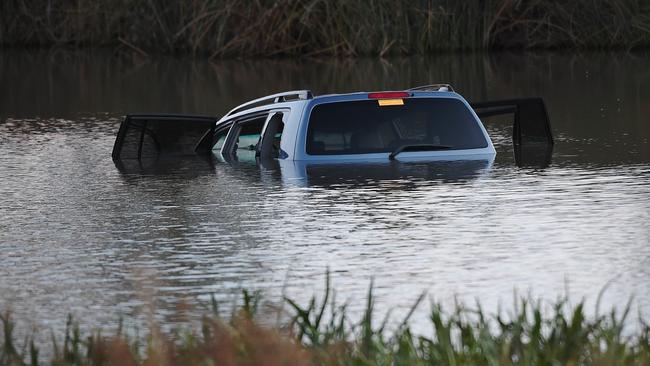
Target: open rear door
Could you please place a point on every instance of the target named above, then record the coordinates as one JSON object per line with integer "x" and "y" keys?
{"x": 146, "y": 136}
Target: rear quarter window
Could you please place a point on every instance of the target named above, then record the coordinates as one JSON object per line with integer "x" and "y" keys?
{"x": 359, "y": 127}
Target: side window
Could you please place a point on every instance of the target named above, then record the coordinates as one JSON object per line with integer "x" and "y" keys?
{"x": 220, "y": 139}
{"x": 243, "y": 137}
{"x": 270, "y": 142}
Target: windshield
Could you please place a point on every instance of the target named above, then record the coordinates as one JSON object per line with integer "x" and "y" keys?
{"x": 361, "y": 127}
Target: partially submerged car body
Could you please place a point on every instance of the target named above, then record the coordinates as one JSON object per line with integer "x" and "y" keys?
{"x": 430, "y": 122}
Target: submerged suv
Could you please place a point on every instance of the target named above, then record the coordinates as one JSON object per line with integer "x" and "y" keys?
{"x": 430, "y": 122}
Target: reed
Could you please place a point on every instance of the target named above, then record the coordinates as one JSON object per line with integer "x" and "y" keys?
{"x": 321, "y": 333}
{"x": 233, "y": 28}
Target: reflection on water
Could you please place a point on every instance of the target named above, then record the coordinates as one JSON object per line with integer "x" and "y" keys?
{"x": 187, "y": 166}
{"x": 407, "y": 173}
{"x": 80, "y": 234}
{"x": 533, "y": 155}
{"x": 304, "y": 174}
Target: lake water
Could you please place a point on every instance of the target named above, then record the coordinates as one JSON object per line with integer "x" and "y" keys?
{"x": 78, "y": 235}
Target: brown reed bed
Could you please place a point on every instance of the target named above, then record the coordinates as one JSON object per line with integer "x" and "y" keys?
{"x": 234, "y": 28}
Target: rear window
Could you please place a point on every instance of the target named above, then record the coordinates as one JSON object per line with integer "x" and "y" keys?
{"x": 362, "y": 127}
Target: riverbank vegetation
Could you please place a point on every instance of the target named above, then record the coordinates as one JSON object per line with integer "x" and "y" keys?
{"x": 322, "y": 333}
{"x": 232, "y": 28}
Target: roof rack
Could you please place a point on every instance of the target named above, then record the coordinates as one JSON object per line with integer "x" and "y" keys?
{"x": 274, "y": 98}
{"x": 434, "y": 87}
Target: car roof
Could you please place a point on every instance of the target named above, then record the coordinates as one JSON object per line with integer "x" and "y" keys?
{"x": 364, "y": 95}
{"x": 298, "y": 97}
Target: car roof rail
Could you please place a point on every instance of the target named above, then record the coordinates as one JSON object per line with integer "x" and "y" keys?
{"x": 273, "y": 98}
{"x": 434, "y": 87}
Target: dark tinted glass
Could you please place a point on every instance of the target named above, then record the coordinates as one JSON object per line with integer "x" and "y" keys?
{"x": 146, "y": 136}
{"x": 360, "y": 127}
{"x": 249, "y": 134}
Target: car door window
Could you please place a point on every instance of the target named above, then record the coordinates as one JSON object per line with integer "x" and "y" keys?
{"x": 220, "y": 138}
{"x": 243, "y": 137}
{"x": 269, "y": 147}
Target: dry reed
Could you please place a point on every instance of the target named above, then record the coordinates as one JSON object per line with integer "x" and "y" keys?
{"x": 233, "y": 28}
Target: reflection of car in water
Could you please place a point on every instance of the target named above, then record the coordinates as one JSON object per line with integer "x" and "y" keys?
{"x": 302, "y": 173}
{"x": 431, "y": 123}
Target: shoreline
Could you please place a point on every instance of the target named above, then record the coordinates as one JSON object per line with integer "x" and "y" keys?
{"x": 117, "y": 52}
{"x": 310, "y": 28}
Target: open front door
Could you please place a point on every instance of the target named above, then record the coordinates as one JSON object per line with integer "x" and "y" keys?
{"x": 531, "y": 130}
{"x": 151, "y": 136}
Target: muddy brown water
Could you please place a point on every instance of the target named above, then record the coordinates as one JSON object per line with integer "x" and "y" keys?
{"x": 78, "y": 235}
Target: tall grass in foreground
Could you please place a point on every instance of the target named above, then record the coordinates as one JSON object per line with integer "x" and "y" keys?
{"x": 320, "y": 333}
{"x": 225, "y": 28}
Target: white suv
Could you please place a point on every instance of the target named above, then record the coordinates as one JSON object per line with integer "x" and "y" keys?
{"x": 430, "y": 122}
